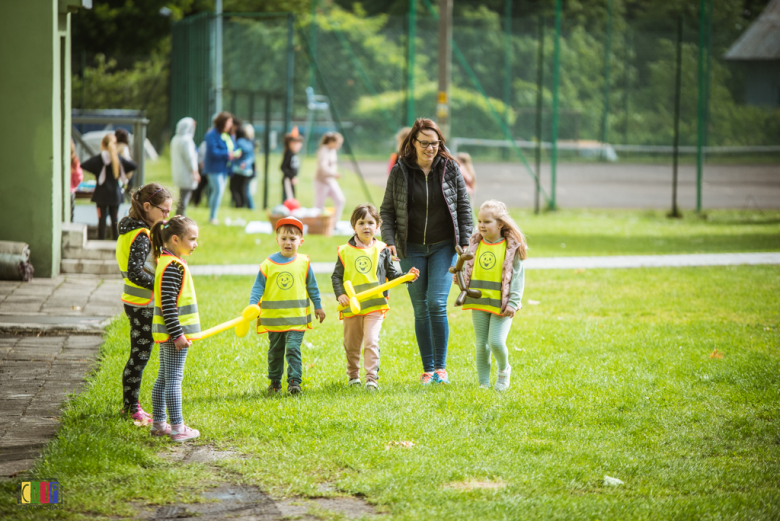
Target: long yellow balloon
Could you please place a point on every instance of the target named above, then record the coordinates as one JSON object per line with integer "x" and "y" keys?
{"x": 354, "y": 299}
{"x": 241, "y": 324}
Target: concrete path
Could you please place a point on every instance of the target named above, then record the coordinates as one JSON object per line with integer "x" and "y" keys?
{"x": 561, "y": 263}
{"x": 50, "y": 332}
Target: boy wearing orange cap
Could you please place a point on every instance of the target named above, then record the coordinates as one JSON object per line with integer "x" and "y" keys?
{"x": 283, "y": 289}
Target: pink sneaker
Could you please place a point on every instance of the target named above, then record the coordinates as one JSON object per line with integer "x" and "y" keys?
{"x": 160, "y": 429}
{"x": 426, "y": 378}
{"x": 142, "y": 412}
{"x": 182, "y": 433}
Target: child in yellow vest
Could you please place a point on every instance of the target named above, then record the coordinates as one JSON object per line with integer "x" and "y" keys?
{"x": 499, "y": 249}
{"x": 148, "y": 205}
{"x": 175, "y": 320}
{"x": 366, "y": 263}
{"x": 282, "y": 289}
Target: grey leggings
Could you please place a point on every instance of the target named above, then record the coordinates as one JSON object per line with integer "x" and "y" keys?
{"x": 166, "y": 393}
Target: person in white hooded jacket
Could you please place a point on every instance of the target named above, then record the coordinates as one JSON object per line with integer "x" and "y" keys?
{"x": 184, "y": 162}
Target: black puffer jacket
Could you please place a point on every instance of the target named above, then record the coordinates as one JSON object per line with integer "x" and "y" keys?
{"x": 395, "y": 212}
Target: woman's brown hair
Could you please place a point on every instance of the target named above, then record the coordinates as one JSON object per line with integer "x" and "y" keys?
{"x": 221, "y": 119}
{"x": 152, "y": 193}
{"x": 164, "y": 230}
{"x": 408, "y": 151}
{"x": 362, "y": 210}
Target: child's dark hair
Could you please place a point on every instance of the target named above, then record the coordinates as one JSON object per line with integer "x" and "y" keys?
{"x": 365, "y": 209}
{"x": 289, "y": 138}
{"x": 329, "y": 137}
{"x": 240, "y": 132}
{"x": 152, "y": 193}
{"x": 289, "y": 229}
{"x": 122, "y": 136}
{"x": 164, "y": 230}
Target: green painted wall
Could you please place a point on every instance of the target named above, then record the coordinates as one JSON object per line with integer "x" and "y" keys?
{"x": 35, "y": 139}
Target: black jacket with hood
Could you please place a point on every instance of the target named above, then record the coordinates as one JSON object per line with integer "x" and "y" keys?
{"x": 395, "y": 206}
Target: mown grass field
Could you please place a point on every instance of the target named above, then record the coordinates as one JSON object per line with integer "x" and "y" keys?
{"x": 562, "y": 233}
{"x": 613, "y": 374}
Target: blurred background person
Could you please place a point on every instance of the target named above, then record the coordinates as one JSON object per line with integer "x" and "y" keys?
{"x": 184, "y": 162}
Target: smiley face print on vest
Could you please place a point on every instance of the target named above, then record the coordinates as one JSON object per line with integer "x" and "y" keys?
{"x": 285, "y": 280}
{"x": 487, "y": 260}
{"x": 363, "y": 264}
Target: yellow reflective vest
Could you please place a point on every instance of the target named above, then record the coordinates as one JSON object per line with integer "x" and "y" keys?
{"x": 187, "y": 303}
{"x": 360, "y": 267}
{"x": 285, "y": 305}
{"x": 132, "y": 293}
{"x": 486, "y": 277}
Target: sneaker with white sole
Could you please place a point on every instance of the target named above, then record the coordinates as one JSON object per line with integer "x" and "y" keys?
{"x": 182, "y": 433}
{"x": 160, "y": 429}
{"x": 372, "y": 386}
{"x": 354, "y": 382}
{"x": 426, "y": 378}
{"x": 502, "y": 384}
{"x": 440, "y": 376}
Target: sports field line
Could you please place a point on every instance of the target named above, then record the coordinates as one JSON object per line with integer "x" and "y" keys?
{"x": 561, "y": 263}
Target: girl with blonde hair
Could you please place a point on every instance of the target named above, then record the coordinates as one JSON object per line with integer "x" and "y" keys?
{"x": 111, "y": 171}
{"x": 499, "y": 248}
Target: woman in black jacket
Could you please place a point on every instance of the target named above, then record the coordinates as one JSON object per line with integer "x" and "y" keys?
{"x": 112, "y": 172}
{"x": 425, "y": 213}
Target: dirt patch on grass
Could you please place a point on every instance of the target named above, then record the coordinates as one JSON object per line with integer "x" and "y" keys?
{"x": 247, "y": 502}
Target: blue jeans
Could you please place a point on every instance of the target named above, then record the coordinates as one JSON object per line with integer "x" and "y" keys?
{"x": 216, "y": 189}
{"x": 429, "y": 298}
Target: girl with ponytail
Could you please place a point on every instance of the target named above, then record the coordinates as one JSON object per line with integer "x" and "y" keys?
{"x": 111, "y": 172}
{"x": 149, "y": 205}
{"x": 175, "y": 320}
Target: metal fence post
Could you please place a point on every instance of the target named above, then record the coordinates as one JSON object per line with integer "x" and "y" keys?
{"x": 676, "y": 147}
{"x": 607, "y": 51}
{"x": 556, "y": 80}
{"x": 539, "y": 105}
{"x": 288, "y": 93}
{"x": 410, "y": 116}
{"x": 702, "y": 94}
{"x": 266, "y": 146}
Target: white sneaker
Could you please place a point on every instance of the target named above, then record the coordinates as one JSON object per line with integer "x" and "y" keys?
{"x": 354, "y": 382}
{"x": 371, "y": 385}
{"x": 502, "y": 384}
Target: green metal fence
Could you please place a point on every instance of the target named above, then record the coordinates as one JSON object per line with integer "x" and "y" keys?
{"x": 534, "y": 93}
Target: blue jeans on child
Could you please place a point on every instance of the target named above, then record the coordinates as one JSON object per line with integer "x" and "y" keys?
{"x": 429, "y": 298}
{"x": 216, "y": 189}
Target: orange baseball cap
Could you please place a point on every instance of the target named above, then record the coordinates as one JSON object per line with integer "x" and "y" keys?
{"x": 291, "y": 221}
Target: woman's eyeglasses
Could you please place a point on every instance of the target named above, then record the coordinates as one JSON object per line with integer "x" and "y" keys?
{"x": 163, "y": 210}
{"x": 426, "y": 144}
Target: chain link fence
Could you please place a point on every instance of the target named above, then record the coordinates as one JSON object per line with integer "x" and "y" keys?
{"x": 618, "y": 89}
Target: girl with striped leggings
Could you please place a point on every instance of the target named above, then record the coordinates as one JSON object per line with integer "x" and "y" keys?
{"x": 175, "y": 320}
{"x": 499, "y": 249}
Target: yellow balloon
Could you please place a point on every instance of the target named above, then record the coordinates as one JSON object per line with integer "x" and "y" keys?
{"x": 243, "y": 328}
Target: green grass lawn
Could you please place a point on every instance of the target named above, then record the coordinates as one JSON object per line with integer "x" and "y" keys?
{"x": 613, "y": 375}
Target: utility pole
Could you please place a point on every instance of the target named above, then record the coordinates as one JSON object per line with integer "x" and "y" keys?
{"x": 445, "y": 66}
{"x": 218, "y": 59}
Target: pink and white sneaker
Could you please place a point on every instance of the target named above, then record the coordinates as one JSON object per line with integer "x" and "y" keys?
{"x": 143, "y": 414}
{"x": 182, "y": 433}
{"x": 160, "y": 429}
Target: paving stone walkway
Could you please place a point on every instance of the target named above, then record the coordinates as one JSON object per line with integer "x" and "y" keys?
{"x": 50, "y": 332}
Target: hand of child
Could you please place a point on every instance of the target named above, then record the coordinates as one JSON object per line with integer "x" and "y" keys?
{"x": 294, "y": 180}
{"x": 344, "y": 300}
{"x": 416, "y": 273}
{"x": 230, "y": 156}
{"x": 196, "y": 176}
{"x": 320, "y": 314}
{"x": 182, "y": 342}
{"x": 509, "y": 311}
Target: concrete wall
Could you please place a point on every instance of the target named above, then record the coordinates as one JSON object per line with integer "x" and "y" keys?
{"x": 35, "y": 136}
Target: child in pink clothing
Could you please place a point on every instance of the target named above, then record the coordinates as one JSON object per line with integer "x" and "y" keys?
{"x": 326, "y": 177}
{"x": 366, "y": 263}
